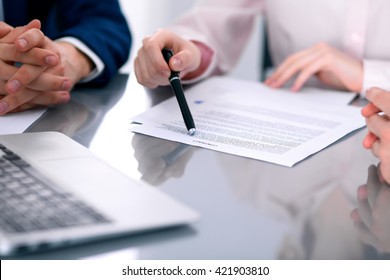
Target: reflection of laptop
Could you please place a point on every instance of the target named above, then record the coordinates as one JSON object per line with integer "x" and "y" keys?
{"x": 89, "y": 199}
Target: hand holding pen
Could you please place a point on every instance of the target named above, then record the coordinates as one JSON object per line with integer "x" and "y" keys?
{"x": 177, "y": 88}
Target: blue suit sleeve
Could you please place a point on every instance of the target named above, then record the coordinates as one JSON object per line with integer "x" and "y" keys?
{"x": 101, "y": 25}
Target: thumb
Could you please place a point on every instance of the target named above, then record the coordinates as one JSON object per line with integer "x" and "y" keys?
{"x": 183, "y": 61}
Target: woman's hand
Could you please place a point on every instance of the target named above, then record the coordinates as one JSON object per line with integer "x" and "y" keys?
{"x": 150, "y": 67}
{"x": 331, "y": 66}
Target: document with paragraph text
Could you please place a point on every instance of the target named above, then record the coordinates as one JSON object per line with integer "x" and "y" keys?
{"x": 251, "y": 120}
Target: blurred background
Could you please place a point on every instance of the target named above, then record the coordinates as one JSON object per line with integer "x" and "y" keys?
{"x": 146, "y": 16}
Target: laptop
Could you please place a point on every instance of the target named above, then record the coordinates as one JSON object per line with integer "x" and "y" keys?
{"x": 54, "y": 192}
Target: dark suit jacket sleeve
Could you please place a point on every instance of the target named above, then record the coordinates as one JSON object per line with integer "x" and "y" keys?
{"x": 101, "y": 25}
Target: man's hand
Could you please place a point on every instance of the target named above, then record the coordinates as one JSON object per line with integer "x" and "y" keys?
{"x": 48, "y": 69}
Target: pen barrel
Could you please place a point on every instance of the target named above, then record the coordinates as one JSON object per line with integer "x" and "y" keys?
{"x": 185, "y": 110}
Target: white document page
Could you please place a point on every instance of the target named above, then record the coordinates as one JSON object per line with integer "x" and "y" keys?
{"x": 19, "y": 122}
{"x": 254, "y": 121}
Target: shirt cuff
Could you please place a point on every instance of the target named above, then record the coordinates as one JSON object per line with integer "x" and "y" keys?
{"x": 376, "y": 74}
{"x": 99, "y": 65}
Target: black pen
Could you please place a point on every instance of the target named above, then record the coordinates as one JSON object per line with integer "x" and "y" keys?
{"x": 177, "y": 88}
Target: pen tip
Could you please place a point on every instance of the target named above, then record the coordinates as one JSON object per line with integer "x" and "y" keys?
{"x": 192, "y": 131}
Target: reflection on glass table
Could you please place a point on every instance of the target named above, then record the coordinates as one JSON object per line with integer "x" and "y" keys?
{"x": 159, "y": 160}
{"x": 372, "y": 215}
{"x": 81, "y": 117}
{"x": 312, "y": 200}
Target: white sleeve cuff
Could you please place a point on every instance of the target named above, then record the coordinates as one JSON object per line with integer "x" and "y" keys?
{"x": 99, "y": 65}
{"x": 376, "y": 74}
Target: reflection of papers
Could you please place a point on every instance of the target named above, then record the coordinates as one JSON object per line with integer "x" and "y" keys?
{"x": 19, "y": 122}
{"x": 251, "y": 120}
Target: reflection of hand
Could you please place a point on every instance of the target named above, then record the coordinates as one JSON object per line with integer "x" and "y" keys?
{"x": 372, "y": 216}
{"x": 331, "y": 66}
{"x": 69, "y": 119}
{"x": 160, "y": 159}
{"x": 378, "y": 125}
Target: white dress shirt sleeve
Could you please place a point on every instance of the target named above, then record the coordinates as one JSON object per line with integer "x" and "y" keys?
{"x": 376, "y": 74}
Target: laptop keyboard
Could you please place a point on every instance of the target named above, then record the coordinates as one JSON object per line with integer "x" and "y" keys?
{"x": 29, "y": 201}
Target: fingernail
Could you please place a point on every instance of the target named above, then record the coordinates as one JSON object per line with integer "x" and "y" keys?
{"x": 273, "y": 84}
{"x": 3, "y": 107}
{"x": 22, "y": 43}
{"x": 166, "y": 73}
{"x": 14, "y": 86}
{"x": 51, "y": 60}
{"x": 65, "y": 97}
{"x": 66, "y": 85}
{"x": 176, "y": 63}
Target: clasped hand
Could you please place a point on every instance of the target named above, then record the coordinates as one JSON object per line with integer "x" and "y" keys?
{"x": 36, "y": 71}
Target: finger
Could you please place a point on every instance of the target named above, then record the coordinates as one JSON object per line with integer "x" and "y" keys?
{"x": 365, "y": 235}
{"x": 152, "y": 168}
{"x": 49, "y": 98}
{"x": 142, "y": 74}
{"x": 291, "y": 66}
{"x": 7, "y": 70}
{"x": 23, "y": 76}
{"x": 376, "y": 125}
{"x": 35, "y": 56}
{"x": 143, "y": 147}
{"x": 151, "y": 51}
{"x": 35, "y": 78}
{"x": 177, "y": 170}
{"x": 184, "y": 62}
{"x": 17, "y": 31}
{"x": 139, "y": 74}
{"x": 49, "y": 82}
{"x": 30, "y": 39}
{"x": 373, "y": 185}
{"x": 375, "y": 148}
{"x": 306, "y": 72}
{"x": 147, "y": 74}
{"x": 4, "y": 29}
{"x": 153, "y": 178}
{"x": 294, "y": 68}
{"x": 44, "y": 99}
{"x": 369, "y": 110}
{"x": 384, "y": 173}
{"x": 369, "y": 140}
{"x": 186, "y": 58}
{"x": 355, "y": 216}
{"x": 11, "y": 102}
{"x": 24, "y": 107}
{"x": 380, "y": 98}
{"x": 364, "y": 208}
